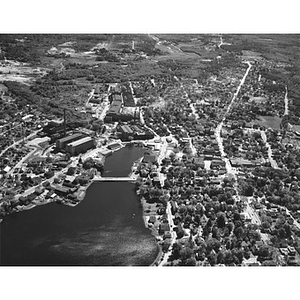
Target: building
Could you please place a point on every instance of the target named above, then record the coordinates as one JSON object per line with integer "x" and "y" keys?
{"x": 114, "y": 111}
{"x": 63, "y": 142}
{"x": 114, "y": 146}
{"x": 80, "y": 146}
{"x": 239, "y": 162}
{"x": 150, "y": 158}
{"x": 27, "y": 118}
{"x": 129, "y": 132}
{"x": 126, "y": 132}
{"x": 63, "y": 190}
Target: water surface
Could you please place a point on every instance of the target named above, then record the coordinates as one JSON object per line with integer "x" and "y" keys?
{"x": 106, "y": 228}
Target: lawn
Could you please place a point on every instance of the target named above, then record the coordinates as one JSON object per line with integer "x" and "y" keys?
{"x": 269, "y": 122}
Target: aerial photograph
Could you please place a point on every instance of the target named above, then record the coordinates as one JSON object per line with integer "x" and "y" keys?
{"x": 150, "y": 150}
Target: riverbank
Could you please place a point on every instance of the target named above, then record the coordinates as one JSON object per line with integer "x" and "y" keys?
{"x": 107, "y": 228}
{"x": 149, "y": 209}
{"x": 42, "y": 199}
{"x": 81, "y": 194}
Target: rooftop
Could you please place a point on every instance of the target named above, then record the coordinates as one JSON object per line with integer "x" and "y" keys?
{"x": 79, "y": 142}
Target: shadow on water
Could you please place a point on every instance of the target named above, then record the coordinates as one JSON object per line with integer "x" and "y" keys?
{"x": 105, "y": 229}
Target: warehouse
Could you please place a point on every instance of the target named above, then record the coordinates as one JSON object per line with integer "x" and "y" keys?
{"x": 63, "y": 142}
{"x": 126, "y": 132}
{"x": 80, "y": 146}
{"x": 115, "y": 108}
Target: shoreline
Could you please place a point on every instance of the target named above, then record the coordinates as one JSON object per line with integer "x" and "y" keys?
{"x": 81, "y": 193}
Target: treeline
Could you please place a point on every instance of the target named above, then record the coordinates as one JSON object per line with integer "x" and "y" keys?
{"x": 21, "y": 92}
{"x": 245, "y": 45}
{"x": 105, "y": 55}
{"x": 21, "y": 51}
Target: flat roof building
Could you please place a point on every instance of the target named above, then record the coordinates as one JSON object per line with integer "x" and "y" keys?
{"x": 80, "y": 146}
{"x": 115, "y": 108}
{"x": 63, "y": 142}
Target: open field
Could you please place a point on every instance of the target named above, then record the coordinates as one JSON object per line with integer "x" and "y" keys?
{"x": 269, "y": 122}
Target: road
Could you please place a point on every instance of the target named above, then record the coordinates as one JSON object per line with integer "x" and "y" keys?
{"x": 173, "y": 236}
{"x": 18, "y": 165}
{"x": 270, "y": 152}
{"x": 219, "y": 139}
{"x": 142, "y": 120}
{"x": 116, "y": 179}
{"x": 289, "y": 214}
{"x": 286, "y": 102}
{"x": 62, "y": 67}
{"x": 194, "y": 112}
{"x": 50, "y": 180}
{"x": 20, "y": 141}
{"x": 219, "y": 127}
{"x": 90, "y": 97}
{"x": 255, "y": 219}
{"x": 222, "y": 42}
{"x": 102, "y": 109}
{"x": 171, "y": 47}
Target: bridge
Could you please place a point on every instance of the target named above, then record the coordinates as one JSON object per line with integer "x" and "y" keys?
{"x": 115, "y": 179}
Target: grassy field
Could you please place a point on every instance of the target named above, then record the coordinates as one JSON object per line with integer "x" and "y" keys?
{"x": 269, "y": 122}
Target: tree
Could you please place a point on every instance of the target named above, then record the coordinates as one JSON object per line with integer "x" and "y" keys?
{"x": 71, "y": 171}
{"x": 230, "y": 226}
{"x": 287, "y": 229}
{"x": 247, "y": 254}
{"x": 265, "y": 225}
{"x": 215, "y": 233}
{"x": 220, "y": 257}
{"x": 239, "y": 232}
{"x": 186, "y": 253}
{"x": 191, "y": 261}
{"x": 281, "y": 233}
{"x": 221, "y": 221}
{"x": 228, "y": 258}
{"x": 212, "y": 258}
{"x": 176, "y": 250}
{"x": 213, "y": 244}
{"x": 263, "y": 251}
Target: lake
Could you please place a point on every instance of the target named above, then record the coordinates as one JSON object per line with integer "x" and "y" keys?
{"x": 105, "y": 229}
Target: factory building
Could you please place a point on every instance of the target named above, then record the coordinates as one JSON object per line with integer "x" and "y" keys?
{"x": 63, "y": 142}
{"x": 115, "y": 97}
{"x": 128, "y": 98}
{"x": 134, "y": 132}
{"x": 114, "y": 110}
{"x": 80, "y": 146}
{"x": 126, "y": 132}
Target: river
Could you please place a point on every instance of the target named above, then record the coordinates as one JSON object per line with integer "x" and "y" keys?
{"x": 105, "y": 229}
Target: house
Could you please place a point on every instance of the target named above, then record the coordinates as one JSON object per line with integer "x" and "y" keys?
{"x": 82, "y": 179}
{"x": 174, "y": 207}
{"x": 167, "y": 235}
{"x": 39, "y": 190}
{"x": 151, "y": 158}
{"x": 163, "y": 227}
{"x": 291, "y": 250}
{"x": 238, "y": 162}
{"x": 152, "y": 219}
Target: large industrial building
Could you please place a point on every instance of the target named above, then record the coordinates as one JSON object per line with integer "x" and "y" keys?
{"x": 134, "y": 132}
{"x": 63, "y": 142}
{"x": 115, "y": 108}
{"x": 126, "y": 132}
{"x": 80, "y": 146}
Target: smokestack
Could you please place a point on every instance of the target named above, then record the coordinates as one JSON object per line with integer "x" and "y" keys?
{"x": 64, "y": 122}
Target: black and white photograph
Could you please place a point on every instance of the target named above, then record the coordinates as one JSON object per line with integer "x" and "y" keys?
{"x": 150, "y": 149}
{"x": 156, "y": 147}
